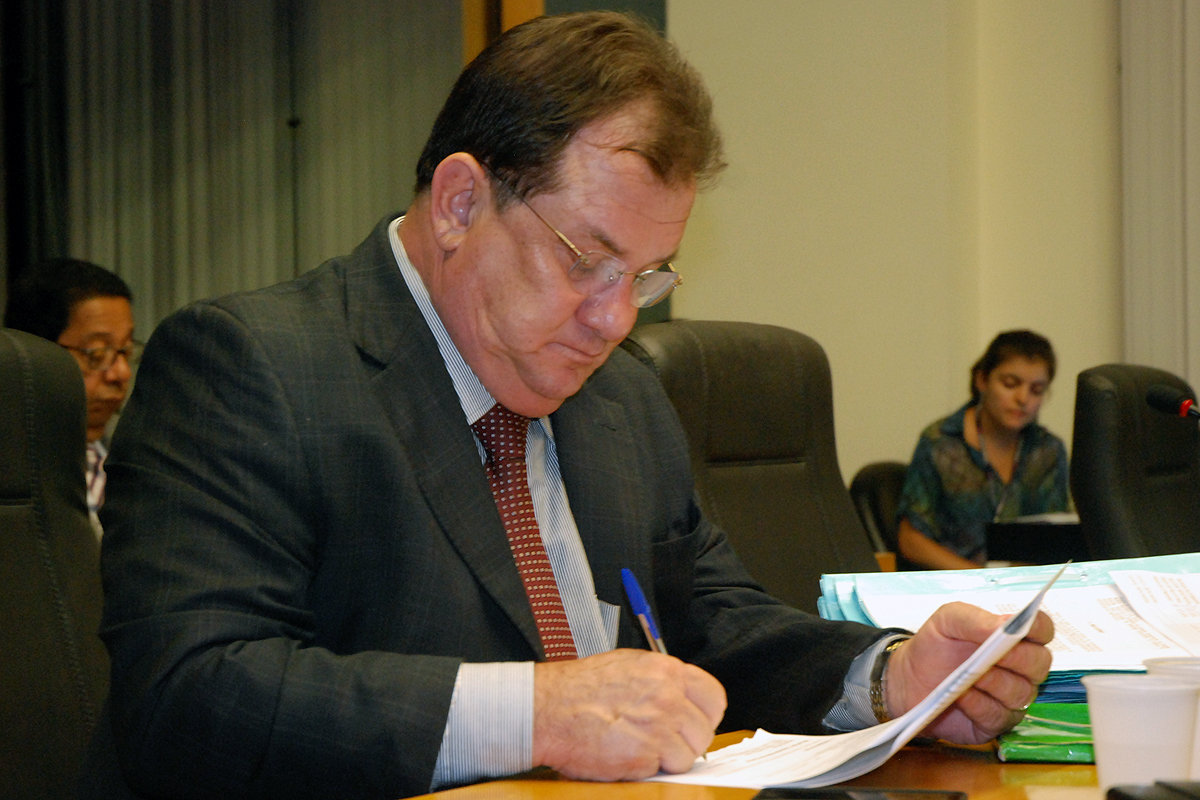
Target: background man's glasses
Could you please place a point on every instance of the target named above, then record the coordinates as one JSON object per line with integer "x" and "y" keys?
{"x": 593, "y": 272}
{"x": 102, "y": 357}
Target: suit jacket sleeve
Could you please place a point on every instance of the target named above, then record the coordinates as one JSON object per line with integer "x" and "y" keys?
{"x": 224, "y": 683}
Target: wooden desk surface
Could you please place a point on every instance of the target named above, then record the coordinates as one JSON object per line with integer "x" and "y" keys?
{"x": 975, "y": 771}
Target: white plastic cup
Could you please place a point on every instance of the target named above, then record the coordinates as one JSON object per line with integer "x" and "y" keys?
{"x": 1184, "y": 668}
{"x": 1142, "y": 727}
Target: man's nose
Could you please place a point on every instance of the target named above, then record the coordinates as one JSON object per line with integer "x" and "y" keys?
{"x": 119, "y": 371}
{"x": 609, "y": 313}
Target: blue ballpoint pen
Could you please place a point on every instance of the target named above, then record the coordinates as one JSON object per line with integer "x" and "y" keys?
{"x": 641, "y": 610}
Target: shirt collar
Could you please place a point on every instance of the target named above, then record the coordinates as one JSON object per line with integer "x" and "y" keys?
{"x": 954, "y": 425}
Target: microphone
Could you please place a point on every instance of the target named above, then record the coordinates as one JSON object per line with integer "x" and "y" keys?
{"x": 1170, "y": 400}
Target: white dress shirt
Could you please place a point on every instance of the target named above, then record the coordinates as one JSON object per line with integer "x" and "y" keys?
{"x": 96, "y": 480}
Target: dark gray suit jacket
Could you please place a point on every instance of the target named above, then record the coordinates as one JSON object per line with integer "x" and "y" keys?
{"x": 301, "y": 547}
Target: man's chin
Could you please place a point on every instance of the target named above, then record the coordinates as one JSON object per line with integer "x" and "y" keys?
{"x": 98, "y": 422}
{"x": 547, "y": 393}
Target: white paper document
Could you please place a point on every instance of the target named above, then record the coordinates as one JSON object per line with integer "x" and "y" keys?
{"x": 768, "y": 759}
{"x": 1094, "y": 627}
{"x": 1171, "y": 603}
{"x": 1052, "y": 518}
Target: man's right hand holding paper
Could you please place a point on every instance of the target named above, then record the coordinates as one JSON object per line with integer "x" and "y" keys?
{"x": 997, "y": 701}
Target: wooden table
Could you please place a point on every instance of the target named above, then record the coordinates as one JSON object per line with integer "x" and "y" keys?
{"x": 974, "y": 770}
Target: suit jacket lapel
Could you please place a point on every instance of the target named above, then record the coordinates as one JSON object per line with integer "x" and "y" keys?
{"x": 594, "y": 445}
{"x": 418, "y": 396}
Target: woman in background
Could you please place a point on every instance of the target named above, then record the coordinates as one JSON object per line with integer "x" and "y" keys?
{"x": 988, "y": 461}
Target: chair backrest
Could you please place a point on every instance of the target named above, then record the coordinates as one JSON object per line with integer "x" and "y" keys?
{"x": 1135, "y": 471}
{"x": 757, "y": 405}
{"x": 53, "y": 668}
{"x": 875, "y": 492}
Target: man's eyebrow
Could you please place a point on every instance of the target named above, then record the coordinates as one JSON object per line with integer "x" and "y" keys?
{"x": 612, "y": 247}
{"x": 107, "y": 336}
{"x": 606, "y": 240}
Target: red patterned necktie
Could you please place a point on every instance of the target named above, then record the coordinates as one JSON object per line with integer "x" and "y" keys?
{"x": 503, "y": 434}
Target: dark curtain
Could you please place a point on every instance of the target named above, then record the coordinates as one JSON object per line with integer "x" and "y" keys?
{"x": 32, "y": 45}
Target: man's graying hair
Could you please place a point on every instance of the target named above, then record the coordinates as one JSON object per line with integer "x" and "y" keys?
{"x": 517, "y": 106}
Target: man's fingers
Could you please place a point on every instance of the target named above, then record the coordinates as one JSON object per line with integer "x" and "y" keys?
{"x": 623, "y": 715}
{"x": 680, "y": 754}
{"x": 1042, "y": 630}
{"x": 988, "y": 716}
{"x": 1010, "y": 690}
{"x": 964, "y": 622}
{"x": 705, "y": 707}
{"x": 1028, "y": 659}
{"x": 697, "y": 731}
{"x": 706, "y": 692}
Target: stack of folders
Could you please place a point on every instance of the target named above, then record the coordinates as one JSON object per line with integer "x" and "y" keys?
{"x": 1109, "y": 616}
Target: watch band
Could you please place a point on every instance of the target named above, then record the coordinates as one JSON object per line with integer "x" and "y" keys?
{"x": 878, "y": 702}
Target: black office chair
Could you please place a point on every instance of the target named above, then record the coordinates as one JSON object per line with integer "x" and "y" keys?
{"x": 875, "y": 492}
{"x": 53, "y": 667}
{"x": 1135, "y": 471}
{"x": 757, "y": 405}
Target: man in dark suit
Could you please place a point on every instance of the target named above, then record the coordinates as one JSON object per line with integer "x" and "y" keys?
{"x": 319, "y": 571}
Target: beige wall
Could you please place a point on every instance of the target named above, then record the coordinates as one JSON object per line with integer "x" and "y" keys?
{"x": 906, "y": 179}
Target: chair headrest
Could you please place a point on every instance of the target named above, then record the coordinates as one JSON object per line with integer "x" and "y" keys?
{"x": 706, "y": 368}
{"x": 43, "y": 418}
{"x": 1110, "y": 399}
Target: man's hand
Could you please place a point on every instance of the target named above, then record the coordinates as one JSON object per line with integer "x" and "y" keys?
{"x": 997, "y": 701}
{"x": 623, "y": 715}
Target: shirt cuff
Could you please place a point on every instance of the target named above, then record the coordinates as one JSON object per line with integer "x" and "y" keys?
{"x": 853, "y": 711}
{"x": 489, "y": 731}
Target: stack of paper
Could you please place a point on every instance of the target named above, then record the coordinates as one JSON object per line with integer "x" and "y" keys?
{"x": 768, "y": 759}
{"x": 1108, "y": 615}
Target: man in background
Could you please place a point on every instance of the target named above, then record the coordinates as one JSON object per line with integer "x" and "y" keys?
{"x": 87, "y": 310}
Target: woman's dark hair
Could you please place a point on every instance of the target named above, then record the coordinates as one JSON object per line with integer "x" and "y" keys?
{"x": 517, "y": 106}
{"x": 1009, "y": 344}
{"x": 42, "y": 298}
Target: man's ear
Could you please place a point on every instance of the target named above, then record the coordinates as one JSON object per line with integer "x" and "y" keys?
{"x": 456, "y": 194}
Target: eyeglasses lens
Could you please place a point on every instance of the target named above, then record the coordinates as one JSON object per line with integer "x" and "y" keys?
{"x": 595, "y": 272}
{"x": 100, "y": 359}
{"x": 650, "y": 287}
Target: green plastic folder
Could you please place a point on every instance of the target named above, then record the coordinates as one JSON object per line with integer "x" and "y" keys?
{"x": 1050, "y": 732}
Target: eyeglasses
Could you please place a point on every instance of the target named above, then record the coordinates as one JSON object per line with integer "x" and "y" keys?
{"x": 593, "y": 271}
{"x": 102, "y": 357}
